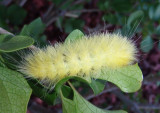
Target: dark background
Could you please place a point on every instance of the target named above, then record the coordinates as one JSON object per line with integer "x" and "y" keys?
{"x": 137, "y": 19}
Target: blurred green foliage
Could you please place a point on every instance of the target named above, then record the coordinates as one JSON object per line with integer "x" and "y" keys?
{"x": 69, "y": 24}
{"x": 134, "y": 16}
{"x": 130, "y": 13}
{"x": 36, "y": 30}
{"x": 12, "y": 14}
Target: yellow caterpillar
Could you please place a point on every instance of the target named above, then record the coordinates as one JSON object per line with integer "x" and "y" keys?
{"x": 84, "y": 57}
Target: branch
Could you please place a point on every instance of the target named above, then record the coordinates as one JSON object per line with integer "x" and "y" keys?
{"x": 132, "y": 105}
{"x": 149, "y": 107}
{"x": 150, "y": 79}
{"x": 22, "y": 2}
{"x": 53, "y": 12}
{"x": 103, "y": 92}
{"x": 68, "y": 14}
{"x": 36, "y": 108}
{"x": 85, "y": 11}
{"x": 78, "y": 2}
{"x": 48, "y": 11}
{"x": 5, "y": 2}
{"x": 3, "y": 31}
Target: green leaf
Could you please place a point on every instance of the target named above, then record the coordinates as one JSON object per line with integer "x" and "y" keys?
{"x": 121, "y": 5}
{"x": 74, "y": 35}
{"x": 2, "y": 64}
{"x": 5, "y": 38}
{"x": 67, "y": 91}
{"x": 135, "y": 16}
{"x": 16, "y": 14}
{"x": 76, "y": 7}
{"x": 110, "y": 18}
{"x": 3, "y": 24}
{"x": 64, "y": 80}
{"x": 97, "y": 86}
{"x": 128, "y": 79}
{"x": 65, "y": 6}
{"x": 8, "y": 44}
{"x": 71, "y": 24}
{"x": 151, "y": 12}
{"x": 80, "y": 105}
{"x": 14, "y": 92}
{"x": 43, "y": 93}
{"x": 157, "y": 14}
{"x": 68, "y": 106}
{"x": 3, "y": 11}
{"x": 157, "y": 31}
{"x": 34, "y": 29}
{"x": 57, "y": 2}
{"x": 103, "y": 5}
{"x": 147, "y": 44}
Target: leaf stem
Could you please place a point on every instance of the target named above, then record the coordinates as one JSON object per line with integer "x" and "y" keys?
{"x": 70, "y": 84}
{"x": 61, "y": 94}
{"x": 3, "y": 31}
